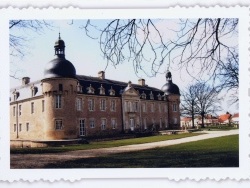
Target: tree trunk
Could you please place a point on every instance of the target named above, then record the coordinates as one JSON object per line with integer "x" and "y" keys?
{"x": 202, "y": 119}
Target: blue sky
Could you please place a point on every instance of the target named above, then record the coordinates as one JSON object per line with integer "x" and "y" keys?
{"x": 86, "y": 56}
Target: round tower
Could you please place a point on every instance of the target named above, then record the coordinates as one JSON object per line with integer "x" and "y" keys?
{"x": 172, "y": 93}
{"x": 59, "y": 89}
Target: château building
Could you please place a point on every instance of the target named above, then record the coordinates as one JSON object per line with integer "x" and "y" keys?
{"x": 65, "y": 106}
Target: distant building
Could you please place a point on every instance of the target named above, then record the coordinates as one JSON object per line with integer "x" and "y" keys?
{"x": 235, "y": 119}
{"x": 64, "y": 105}
{"x": 225, "y": 118}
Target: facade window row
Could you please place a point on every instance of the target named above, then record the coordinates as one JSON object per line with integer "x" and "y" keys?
{"x": 20, "y": 128}
{"x": 32, "y": 109}
{"x": 82, "y": 124}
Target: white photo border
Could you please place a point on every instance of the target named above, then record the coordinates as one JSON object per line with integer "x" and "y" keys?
{"x": 241, "y": 173}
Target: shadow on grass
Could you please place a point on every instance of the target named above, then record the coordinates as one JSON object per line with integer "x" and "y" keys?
{"x": 216, "y": 152}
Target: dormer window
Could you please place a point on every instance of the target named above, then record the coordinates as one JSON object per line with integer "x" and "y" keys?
{"x": 112, "y": 91}
{"x": 79, "y": 88}
{"x": 159, "y": 97}
{"x": 143, "y": 95}
{"x": 90, "y": 90}
{"x": 34, "y": 90}
{"x": 16, "y": 94}
{"x": 151, "y": 96}
{"x": 164, "y": 97}
{"x": 102, "y": 90}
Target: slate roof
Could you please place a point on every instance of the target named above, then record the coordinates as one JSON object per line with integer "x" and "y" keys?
{"x": 118, "y": 86}
{"x": 25, "y": 91}
{"x": 85, "y": 81}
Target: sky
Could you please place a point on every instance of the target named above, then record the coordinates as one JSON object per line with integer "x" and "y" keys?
{"x": 86, "y": 56}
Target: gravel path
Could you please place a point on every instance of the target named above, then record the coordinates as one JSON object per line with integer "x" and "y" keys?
{"x": 41, "y": 160}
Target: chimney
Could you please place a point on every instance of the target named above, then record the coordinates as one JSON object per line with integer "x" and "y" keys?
{"x": 25, "y": 80}
{"x": 141, "y": 82}
{"x": 101, "y": 75}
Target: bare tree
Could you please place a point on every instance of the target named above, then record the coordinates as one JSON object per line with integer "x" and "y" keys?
{"x": 202, "y": 42}
{"x": 17, "y": 42}
{"x": 229, "y": 77}
{"x": 18, "y": 37}
{"x": 189, "y": 102}
{"x": 207, "y": 100}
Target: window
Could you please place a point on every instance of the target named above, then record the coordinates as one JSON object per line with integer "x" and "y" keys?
{"x": 103, "y": 104}
{"x": 102, "y": 90}
{"x": 159, "y": 96}
{"x": 42, "y": 105}
{"x": 27, "y": 126}
{"x": 174, "y": 107}
{"x": 20, "y": 127}
{"x": 145, "y": 123}
{"x": 166, "y": 122}
{"x": 32, "y": 107}
{"x": 79, "y": 88}
{"x": 152, "y": 107}
{"x": 130, "y": 107}
{"x": 58, "y": 124}
{"x": 159, "y": 107}
{"x": 144, "y": 107}
{"x": 136, "y": 106}
{"x": 103, "y": 124}
{"x": 92, "y": 123}
{"x": 112, "y": 105}
{"x": 143, "y": 95}
{"x": 14, "y": 111}
{"x": 166, "y": 108}
{"x": 58, "y": 101}
{"x": 20, "y": 110}
{"x": 91, "y": 104}
{"x": 126, "y": 106}
{"x": 160, "y": 122}
{"x": 16, "y": 95}
{"x": 112, "y": 92}
{"x": 175, "y": 120}
{"x": 90, "y": 90}
{"x": 151, "y": 96}
{"x": 82, "y": 127}
{"x": 60, "y": 87}
{"x": 34, "y": 90}
{"x": 78, "y": 104}
{"x": 113, "y": 123}
{"x": 14, "y": 127}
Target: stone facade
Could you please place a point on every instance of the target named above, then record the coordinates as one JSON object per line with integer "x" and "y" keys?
{"x": 67, "y": 106}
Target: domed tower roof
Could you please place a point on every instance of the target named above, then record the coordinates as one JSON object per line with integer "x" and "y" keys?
{"x": 169, "y": 88}
{"x": 59, "y": 67}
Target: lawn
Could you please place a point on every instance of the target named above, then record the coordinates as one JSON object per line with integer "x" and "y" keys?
{"x": 215, "y": 152}
{"x": 103, "y": 144}
{"x": 218, "y": 128}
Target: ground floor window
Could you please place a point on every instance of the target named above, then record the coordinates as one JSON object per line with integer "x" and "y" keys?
{"x": 20, "y": 127}
{"x": 113, "y": 123}
{"x": 92, "y": 123}
{"x": 58, "y": 124}
{"x": 27, "y": 126}
{"x": 14, "y": 127}
{"x": 82, "y": 127}
{"x": 145, "y": 123}
{"x": 103, "y": 124}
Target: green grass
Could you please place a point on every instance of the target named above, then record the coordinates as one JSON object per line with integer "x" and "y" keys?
{"x": 215, "y": 152}
{"x": 103, "y": 144}
{"x": 219, "y": 128}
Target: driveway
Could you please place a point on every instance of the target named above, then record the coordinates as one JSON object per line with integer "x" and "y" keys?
{"x": 41, "y": 160}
